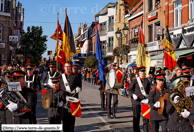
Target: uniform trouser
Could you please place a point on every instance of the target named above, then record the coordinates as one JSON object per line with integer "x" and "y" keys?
{"x": 34, "y": 112}
{"x": 136, "y": 120}
{"x": 102, "y": 97}
{"x": 2, "y": 118}
{"x": 54, "y": 120}
{"x": 115, "y": 103}
{"x": 68, "y": 121}
{"x": 155, "y": 125}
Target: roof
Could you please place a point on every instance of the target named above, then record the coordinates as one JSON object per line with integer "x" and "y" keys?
{"x": 129, "y": 4}
{"x": 105, "y": 9}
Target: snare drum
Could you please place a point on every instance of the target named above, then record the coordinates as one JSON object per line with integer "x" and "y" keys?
{"x": 115, "y": 78}
{"x": 75, "y": 106}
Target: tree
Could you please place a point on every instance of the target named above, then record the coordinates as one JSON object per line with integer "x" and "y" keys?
{"x": 33, "y": 37}
{"x": 90, "y": 61}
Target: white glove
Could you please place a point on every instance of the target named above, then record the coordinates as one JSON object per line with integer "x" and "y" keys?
{"x": 60, "y": 104}
{"x": 157, "y": 104}
{"x": 176, "y": 99}
{"x": 144, "y": 101}
{"x": 12, "y": 106}
{"x": 78, "y": 90}
{"x": 134, "y": 97}
{"x": 115, "y": 62}
{"x": 185, "y": 114}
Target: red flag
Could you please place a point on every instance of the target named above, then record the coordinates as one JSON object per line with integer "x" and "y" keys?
{"x": 61, "y": 58}
{"x": 60, "y": 33}
{"x": 76, "y": 109}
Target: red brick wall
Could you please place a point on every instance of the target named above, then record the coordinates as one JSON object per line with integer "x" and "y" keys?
{"x": 136, "y": 22}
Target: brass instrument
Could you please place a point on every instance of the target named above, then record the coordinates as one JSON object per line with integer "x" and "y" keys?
{"x": 184, "y": 102}
{"x": 13, "y": 96}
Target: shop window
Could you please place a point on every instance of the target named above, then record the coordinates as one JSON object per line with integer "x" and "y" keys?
{"x": 191, "y": 9}
{"x": 1, "y": 31}
{"x": 150, "y": 33}
{"x": 157, "y": 36}
{"x": 2, "y": 5}
{"x": 111, "y": 23}
{"x": 178, "y": 13}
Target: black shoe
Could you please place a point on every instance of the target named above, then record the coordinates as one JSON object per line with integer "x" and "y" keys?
{"x": 109, "y": 117}
{"x": 114, "y": 116}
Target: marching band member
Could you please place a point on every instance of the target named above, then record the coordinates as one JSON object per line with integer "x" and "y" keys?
{"x": 186, "y": 71}
{"x": 151, "y": 78}
{"x": 109, "y": 98}
{"x": 132, "y": 75}
{"x": 29, "y": 96}
{"x": 102, "y": 95}
{"x": 72, "y": 85}
{"x": 153, "y": 97}
{"x": 178, "y": 122}
{"x": 55, "y": 116}
{"x": 74, "y": 71}
{"x": 137, "y": 95}
{"x": 32, "y": 81}
{"x": 50, "y": 74}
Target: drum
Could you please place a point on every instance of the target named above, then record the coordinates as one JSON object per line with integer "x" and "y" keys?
{"x": 115, "y": 78}
{"x": 75, "y": 106}
{"x": 146, "y": 111}
{"x": 44, "y": 91}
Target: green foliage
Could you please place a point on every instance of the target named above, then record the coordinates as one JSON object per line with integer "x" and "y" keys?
{"x": 33, "y": 36}
{"x": 124, "y": 49}
{"x": 90, "y": 62}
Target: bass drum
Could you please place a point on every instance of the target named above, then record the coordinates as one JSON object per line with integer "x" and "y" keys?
{"x": 115, "y": 78}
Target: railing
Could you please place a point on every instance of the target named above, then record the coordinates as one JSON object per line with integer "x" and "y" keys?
{"x": 101, "y": 33}
{"x": 110, "y": 48}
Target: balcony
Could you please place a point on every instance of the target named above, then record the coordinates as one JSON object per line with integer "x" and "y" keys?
{"x": 102, "y": 33}
{"x": 110, "y": 48}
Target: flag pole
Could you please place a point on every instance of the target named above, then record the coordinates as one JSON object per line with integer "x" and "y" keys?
{"x": 57, "y": 41}
{"x": 163, "y": 54}
{"x": 67, "y": 30}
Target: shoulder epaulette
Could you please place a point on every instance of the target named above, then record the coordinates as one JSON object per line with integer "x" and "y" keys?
{"x": 152, "y": 89}
{"x": 134, "y": 78}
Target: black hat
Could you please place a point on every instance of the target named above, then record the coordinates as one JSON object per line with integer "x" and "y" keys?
{"x": 134, "y": 67}
{"x": 52, "y": 65}
{"x": 55, "y": 79}
{"x": 141, "y": 68}
{"x": 160, "y": 77}
{"x": 74, "y": 65}
{"x": 152, "y": 70}
{"x": 186, "y": 70}
{"x": 29, "y": 66}
{"x": 186, "y": 77}
{"x": 8, "y": 73}
{"x": 17, "y": 73}
{"x": 158, "y": 71}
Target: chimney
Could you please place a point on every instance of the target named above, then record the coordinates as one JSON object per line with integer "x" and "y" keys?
{"x": 79, "y": 30}
{"x": 85, "y": 25}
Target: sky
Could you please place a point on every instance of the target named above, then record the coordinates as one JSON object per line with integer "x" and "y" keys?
{"x": 44, "y": 13}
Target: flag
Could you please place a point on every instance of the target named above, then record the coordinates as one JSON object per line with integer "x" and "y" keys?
{"x": 170, "y": 58}
{"x": 69, "y": 37}
{"x": 99, "y": 58}
{"x": 60, "y": 33}
{"x": 143, "y": 57}
{"x": 49, "y": 52}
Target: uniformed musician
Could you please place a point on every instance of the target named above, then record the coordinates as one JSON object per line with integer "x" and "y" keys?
{"x": 132, "y": 75}
{"x": 72, "y": 85}
{"x": 156, "y": 118}
{"x": 50, "y": 74}
{"x": 32, "y": 81}
{"x": 75, "y": 71}
{"x": 151, "y": 78}
{"x": 137, "y": 96}
{"x": 55, "y": 116}
{"x": 29, "y": 96}
{"x": 186, "y": 71}
{"x": 178, "y": 122}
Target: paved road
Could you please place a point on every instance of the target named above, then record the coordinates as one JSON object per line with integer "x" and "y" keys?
{"x": 93, "y": 119}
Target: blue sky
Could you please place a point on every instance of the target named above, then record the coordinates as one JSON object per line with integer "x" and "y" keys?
{"x": 44, "y": 13}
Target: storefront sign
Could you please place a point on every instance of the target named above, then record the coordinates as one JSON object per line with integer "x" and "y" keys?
{"x": 2, "y": 45}
{"x": 153, "y": 46}
{"x": 153, "y": 16}
{"x": 13, "y": 38}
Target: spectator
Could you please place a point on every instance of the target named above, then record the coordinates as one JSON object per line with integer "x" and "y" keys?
{"x": 88, "y": 76}
{"x": 167, "y": 76}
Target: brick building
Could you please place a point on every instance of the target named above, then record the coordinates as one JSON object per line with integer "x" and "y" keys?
{"x": 11, "y": 24}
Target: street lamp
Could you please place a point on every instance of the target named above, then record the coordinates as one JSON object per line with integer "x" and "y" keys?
{"x": 119, "y": 36}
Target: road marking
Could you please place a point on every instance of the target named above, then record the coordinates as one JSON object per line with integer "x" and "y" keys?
{"x": 99, "y": 117}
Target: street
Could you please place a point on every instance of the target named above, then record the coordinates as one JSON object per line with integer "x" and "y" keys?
{"x": 93, "y": 119}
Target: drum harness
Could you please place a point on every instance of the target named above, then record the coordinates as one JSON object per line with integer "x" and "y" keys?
{"x": 49, "y": 80}
{"x": 141, "y": 86}
{"x": 29, "y": 82}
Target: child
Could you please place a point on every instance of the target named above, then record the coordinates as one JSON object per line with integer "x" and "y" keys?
{"x": 126, "y": 86}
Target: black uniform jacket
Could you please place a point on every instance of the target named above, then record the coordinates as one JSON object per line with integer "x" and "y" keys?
{"x": 80, "y": 77}
{"x": 153, "y": 97}
{"x": 36, "y": 84}
{"x": 73, "y": 81}
{"x": 54, "y": 95}
{"x": 191, "y": 117}
{"x": 134, "y": 89}
{"x": 131, "y": 75}
{"x": 46, "y": 77}
{"x": 29, "y": 96}
{"x": 176, "y": 122}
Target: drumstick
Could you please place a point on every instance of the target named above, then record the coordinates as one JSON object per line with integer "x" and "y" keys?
{"x": 74, "y": 94}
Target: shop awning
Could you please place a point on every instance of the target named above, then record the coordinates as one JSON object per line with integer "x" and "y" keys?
{"x": 179, "y": 54}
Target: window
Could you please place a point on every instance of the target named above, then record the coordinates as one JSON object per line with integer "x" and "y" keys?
{"x": 111, "y": 23}
{"x": 191, "y": 9}
{"x": 1, "y": 31}
{"x": 110, "y": 44}
{"x": 150, "y": 6}
{"x": 103, "y": 44}
{"x": 178, "y": 13}
{"x": 136, "y": 32}
{"x": 150, "y": 33}
{"x": 157, "y": 4}
{"x": 103, "y": 29}
{"x": 157, "y": 37}
{"x": 119, "y": 15}
{"x": 2, "y": 5}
